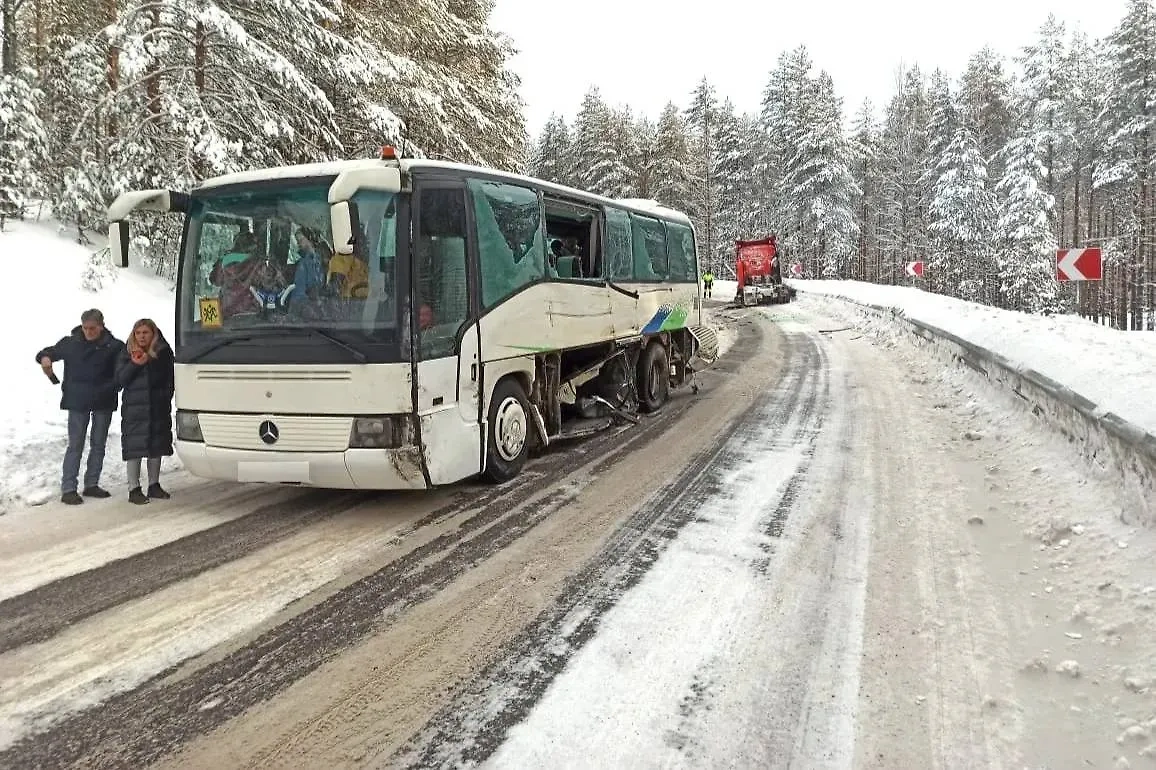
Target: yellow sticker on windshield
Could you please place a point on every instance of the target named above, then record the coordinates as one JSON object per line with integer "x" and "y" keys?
{"x": 210, "y": 313}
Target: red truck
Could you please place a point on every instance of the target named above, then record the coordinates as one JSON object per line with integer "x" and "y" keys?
{"x": 759, "y": 274}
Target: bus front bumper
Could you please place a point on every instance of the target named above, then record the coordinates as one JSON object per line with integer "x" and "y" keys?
{"x": 351, "y": 469}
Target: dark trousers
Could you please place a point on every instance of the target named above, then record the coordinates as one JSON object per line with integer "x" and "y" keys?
{"x": 78, "y": 423}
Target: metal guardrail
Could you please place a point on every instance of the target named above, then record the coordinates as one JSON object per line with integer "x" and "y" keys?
{"x": 1103, "y": 438}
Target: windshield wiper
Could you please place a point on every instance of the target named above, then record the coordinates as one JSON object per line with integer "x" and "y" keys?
{"x": 220, "y": 343}
{"x": 278, "y": 331}
{"x": 357, "y": 354}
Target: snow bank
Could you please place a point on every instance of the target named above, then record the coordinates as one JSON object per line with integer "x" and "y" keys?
{"x": 723, "y": 290}
{"x": 49, "y": 273}
{"x": 1111, "y": 368}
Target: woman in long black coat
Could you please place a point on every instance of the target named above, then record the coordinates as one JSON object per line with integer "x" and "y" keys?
{"x": 144, "y": 373}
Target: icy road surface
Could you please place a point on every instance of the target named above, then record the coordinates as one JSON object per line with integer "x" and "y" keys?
{"x": 835, "y": 555}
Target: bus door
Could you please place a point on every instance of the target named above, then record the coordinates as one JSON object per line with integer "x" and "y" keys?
{"x": 447, "y": 360}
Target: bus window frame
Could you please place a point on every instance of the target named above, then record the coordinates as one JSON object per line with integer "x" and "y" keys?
{"x": 473, "y": 274}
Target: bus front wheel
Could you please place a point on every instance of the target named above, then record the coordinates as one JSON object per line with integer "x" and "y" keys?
{"x": 508, "y": 444}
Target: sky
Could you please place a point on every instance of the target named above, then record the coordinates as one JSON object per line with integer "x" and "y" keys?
{"x": 648, "y": 53}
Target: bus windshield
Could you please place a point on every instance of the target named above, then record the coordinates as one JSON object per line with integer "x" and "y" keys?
{"x": 260, "y": 258}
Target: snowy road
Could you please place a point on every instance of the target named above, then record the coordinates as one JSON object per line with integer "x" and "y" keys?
{"x": 830, "y": 557}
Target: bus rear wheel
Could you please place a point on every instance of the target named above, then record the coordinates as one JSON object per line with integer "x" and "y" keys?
{"x": 508, "y": 443}
{"x": 653, "y": 377}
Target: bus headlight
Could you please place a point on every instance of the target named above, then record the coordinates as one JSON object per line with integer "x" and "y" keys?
{"x": 373, "y": 433}
{"x": 189, "y": 427}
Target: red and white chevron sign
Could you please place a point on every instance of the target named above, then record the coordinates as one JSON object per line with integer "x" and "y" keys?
{"x": 914, "y": 269}
{"x": 1079, "y": 265}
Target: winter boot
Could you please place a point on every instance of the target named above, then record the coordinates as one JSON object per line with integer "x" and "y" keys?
{"x": 137, "y": 497}
{"x": 71, "y": 498}
{"x": 96, "y": 492}
{"x": 157, "y": 493}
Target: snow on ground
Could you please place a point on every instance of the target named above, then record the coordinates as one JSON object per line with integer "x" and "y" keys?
{"x": 1087, "y": 650}
{"x": 1031, "y": 600}
{"x": 723, "y": 291}
{"x": 686, "y": 607}
{"x": 726, "y": 339}
{"x": 1111, "y": 368}
{"x": 48, "y": 269}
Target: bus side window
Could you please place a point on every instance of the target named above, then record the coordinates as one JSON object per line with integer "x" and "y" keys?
{"x": 680, "y": 250}
{"x": 620, "y": 263}
{"x": 649, "y": 247}
{"x": 440, "y": 265}
{"x": 511, "y": 241}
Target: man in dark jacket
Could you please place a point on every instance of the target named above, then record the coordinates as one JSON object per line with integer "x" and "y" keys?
{"x": 89, "y": 395}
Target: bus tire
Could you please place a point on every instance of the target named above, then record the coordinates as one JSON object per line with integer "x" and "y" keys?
{"x": 508, "y": 442}
{"x": 653, "y": 377}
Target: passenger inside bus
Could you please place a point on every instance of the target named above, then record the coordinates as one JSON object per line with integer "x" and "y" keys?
{"x": 348, "y": 274}
{"x": 234, "y": 273}
{"x": 571, "y": 236}
{"x": 244, "y": 247}
{"x": 310, "y": 268}
{"x": 557, "y": 251}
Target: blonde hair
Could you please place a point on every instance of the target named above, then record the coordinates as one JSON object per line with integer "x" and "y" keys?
{"x": 132, "y": 343}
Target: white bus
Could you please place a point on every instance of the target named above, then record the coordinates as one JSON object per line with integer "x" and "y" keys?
{"x": 401, "y": 323}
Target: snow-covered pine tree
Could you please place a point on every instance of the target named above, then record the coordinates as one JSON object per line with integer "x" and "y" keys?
{"x": 672, "y": 175}
{"x": 783, "y": 119}
{"x": 944, "y": 118}
{"x": 985, "y": 104}
{"x": 449, "y": 81}
{"x": 865, "y": 138}
{"x": 1082, "y": 106}
{"x": 962, "y": 221}
{"x": 734, "y": 164}
{"x": 624, "y": 143}
{"x": 229, "y": 86}
{"x": 387, "y": 78}
{"x": 1025, "y": 243}
{"x": 23, "y": 143}
{"x": 644, "y": 138}
{"x": 1039, "y": 102}
{"x": 760, "y": 221}
{"x": 903, "y": 160}
{"x": 820, "y": 183}
{"x": 69, "y": 81}
{"x": 599, "y": 167}
{"x": 702, "y": 118}
{"x": 484, "y": 106}
{"x": 942, "y": 129}
{"x": 1130, "y": 121}
{"x": 552, "y": 160}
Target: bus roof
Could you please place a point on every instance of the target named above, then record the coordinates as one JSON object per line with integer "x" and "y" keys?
{"x": 333, "y": 168}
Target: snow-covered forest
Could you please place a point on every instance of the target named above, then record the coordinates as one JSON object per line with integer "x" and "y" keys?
{"x": 981, "y": 176}
{"x": 99, "y": 96}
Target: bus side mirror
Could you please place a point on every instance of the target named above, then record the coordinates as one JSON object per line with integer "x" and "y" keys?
{"x": 118, "y": 242}
{"x": 344, "y": 226}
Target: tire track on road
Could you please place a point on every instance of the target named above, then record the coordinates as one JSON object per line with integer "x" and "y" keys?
{"x": 32, "y": 558}
{"x": 474, "y": 723}
{"x": 140, "y": 726}
{"x": 43, "y": 612}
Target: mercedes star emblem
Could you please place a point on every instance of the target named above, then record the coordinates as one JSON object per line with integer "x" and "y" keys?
{"x": 268, "y": 432}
